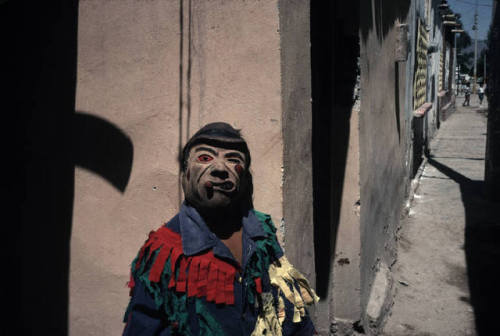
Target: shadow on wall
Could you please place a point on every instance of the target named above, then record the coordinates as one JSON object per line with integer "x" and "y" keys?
{"x": 102, "y": 148}
{"x": 334, "y": 69}
{"x": 53, "y": 139}
{"x": 482, "y": 249}
{"x": 380, "y": 15}
{"x": 419, "y": 144}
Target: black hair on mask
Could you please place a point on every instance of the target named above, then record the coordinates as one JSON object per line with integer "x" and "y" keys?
{"x": 219, "y": 134}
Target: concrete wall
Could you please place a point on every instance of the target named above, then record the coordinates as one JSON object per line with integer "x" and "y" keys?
{"x": 492, "y": 164}
{"x": 345, "y": 293}
{"x": 385, "y": 147}
{"x": 392, "y": 140}
{"x": 424, "y": 128}
{"x": 344, "y": 296}
{"x": 157, "y": 71}
{"x": 297, "y": 134}
{"x": 435, "y": 40}
{"x": 334, "y": 45}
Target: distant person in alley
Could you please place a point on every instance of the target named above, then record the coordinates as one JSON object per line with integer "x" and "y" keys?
{"x": 467, "y": 95}
{"x": 216, "y": 268}
{"x": 480, "y": 93}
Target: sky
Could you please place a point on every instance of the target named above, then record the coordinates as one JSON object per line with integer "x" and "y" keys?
{"x": 466, "y": 9}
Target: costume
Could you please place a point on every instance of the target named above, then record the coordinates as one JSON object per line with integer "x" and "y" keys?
{"x": 185, "y": 281}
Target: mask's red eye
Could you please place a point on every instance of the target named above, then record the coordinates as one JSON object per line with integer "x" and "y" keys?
{"x": 204, "y": 158}
{"x": 239, "y": 169}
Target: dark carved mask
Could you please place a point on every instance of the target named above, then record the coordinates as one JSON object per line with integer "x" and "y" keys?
{"x": 215, "y": 177}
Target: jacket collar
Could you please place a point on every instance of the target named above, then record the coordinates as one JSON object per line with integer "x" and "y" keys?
{"x": 197, "y": 237}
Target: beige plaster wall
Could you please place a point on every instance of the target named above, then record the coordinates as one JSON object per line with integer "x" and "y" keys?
{"x": 159, "y": 70}
{"x": 346, "y": 261}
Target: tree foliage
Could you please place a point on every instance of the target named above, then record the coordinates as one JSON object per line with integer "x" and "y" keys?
{"x": 464, "y": 59}
{"x": 463, "y": 40}
{"x": 480, "y": 62}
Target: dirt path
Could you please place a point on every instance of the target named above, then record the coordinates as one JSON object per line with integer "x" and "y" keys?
{"x": 449, "y": 243}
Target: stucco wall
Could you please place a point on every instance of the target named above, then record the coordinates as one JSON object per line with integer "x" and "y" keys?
{"x": 385, "y": 146}
{"x": 345, "y": 294}
{"x": 435, "y": 40}
{"x": 492, "y": 164}
{"x": 158, "y": 70}
{"x": 297, "y": 133}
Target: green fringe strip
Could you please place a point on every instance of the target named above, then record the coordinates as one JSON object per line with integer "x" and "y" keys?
{"x": 173, "y": 304}
{"x": 266, "y": 252}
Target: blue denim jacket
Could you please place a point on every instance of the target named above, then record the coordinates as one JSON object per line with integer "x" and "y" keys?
{"x": 144, "y": 318}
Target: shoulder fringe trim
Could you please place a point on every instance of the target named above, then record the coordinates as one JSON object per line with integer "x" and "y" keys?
{"x": 293, "y": 285}
{"x": 200, "y": 275}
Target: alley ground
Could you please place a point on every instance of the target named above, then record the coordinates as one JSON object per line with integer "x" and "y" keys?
{"x": 449, "y": 243}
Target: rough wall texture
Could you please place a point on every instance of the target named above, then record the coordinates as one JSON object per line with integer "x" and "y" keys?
{"x": 446, "y": 99}
{"x": 392, "y": 140}
{"x": 436, "y": 41}
{"x": 334, "y": 73}
{"x": 426, "y": 12}
{"x": 297, "y": 129}
{"x": 346, "y": 288}
{"x": 492, "y": 164}
{"x": 157, "y": 71}
{"x": 385, "y": 143}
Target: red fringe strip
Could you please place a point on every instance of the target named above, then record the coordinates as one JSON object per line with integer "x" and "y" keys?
{"x": 131, "y": 283}
{"x": 200, "y": 275}
{"x": 258, "y": 285}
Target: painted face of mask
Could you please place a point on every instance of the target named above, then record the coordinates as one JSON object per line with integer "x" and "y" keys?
{"x": 214, "y": 177}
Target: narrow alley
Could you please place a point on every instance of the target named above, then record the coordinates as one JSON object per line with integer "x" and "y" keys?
{"x": 448, "y": 244}
{"x": 383, "y": 189}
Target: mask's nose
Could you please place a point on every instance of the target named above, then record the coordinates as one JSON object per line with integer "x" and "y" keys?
{"x": 219, "y": 170}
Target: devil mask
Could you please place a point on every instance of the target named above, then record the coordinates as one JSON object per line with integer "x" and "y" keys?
{"x": 215, "y": 169}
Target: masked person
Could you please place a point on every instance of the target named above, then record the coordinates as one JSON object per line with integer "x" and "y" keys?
{"x": 216, "y": 268}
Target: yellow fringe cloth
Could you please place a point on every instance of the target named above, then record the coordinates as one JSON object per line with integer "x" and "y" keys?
{"x": 284, "y": 276}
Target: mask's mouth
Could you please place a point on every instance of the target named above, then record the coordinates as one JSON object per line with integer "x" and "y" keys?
{"x": 226, "y": 186}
